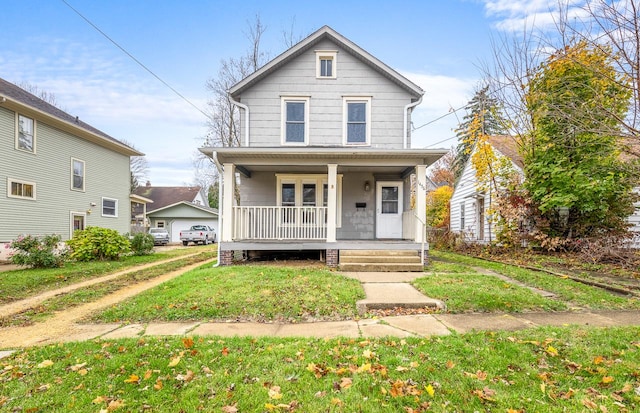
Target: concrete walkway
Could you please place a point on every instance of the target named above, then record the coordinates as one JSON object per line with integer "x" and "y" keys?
{"x": 381, "y": 289}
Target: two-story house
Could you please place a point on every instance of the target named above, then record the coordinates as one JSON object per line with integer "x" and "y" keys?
{"x": 58, "y": 174}
{"x": 326, "y": 161}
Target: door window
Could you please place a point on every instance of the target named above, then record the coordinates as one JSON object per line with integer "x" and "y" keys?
{"x": 390, "y": 200}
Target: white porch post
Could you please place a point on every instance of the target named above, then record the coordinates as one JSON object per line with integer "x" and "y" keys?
{"x": 228, "y": 186}
{"x": 332, "y": 204}
{"x": 421, "y": 201}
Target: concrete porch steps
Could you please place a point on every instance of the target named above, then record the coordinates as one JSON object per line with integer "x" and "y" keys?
{"x": 380, "y": 260}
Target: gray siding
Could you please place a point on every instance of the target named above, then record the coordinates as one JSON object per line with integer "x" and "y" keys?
{"x": 106, "y": 175}
{"x": 357, "y": 223}
{"x": 354, "y": 78}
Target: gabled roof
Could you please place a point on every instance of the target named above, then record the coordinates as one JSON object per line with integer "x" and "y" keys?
{"x": 19, "y": 100}
{"x": 507, "y": 146}
{"x": 163, "y": 196}
{"x": 206, "y": 209}
{"x": 326, "y": 32}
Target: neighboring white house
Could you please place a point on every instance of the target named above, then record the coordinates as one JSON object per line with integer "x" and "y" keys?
{"x": 58, "y": 174}
{"x": 469, "y": 204}
{"x": 325, "y": 161}
{"x": 177, "y": 208}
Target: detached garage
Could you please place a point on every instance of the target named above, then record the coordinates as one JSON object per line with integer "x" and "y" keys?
{"x": 181, "y": 216}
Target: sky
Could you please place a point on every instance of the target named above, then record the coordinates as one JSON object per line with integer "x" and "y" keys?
{"x": 438, "y": 44}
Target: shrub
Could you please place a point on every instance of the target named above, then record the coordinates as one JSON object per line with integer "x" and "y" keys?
{"x": 142, "y": 244}
{"x": 95, "y": 243}
{"x": 38, "y": 252}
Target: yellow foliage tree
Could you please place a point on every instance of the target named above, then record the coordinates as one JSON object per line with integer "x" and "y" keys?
{"x": 438, "y": 206}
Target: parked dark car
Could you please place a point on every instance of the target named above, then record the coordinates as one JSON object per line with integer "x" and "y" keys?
{"x": 160, "y": 236}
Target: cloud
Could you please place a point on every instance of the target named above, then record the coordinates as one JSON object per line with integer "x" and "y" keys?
{"x": 518, "y": 15}
{"x": 435, "y": 119}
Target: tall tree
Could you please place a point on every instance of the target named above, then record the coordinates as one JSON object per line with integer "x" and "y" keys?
{"x": 138, "y": 169}
{"x": 442, "y": 170}
{"x": 223, "y": 124}
{"x": 484, "y": 112}
{"x": 575, "y": 174}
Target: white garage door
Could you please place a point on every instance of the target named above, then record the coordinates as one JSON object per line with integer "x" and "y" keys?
{"x": 182, "y": 224}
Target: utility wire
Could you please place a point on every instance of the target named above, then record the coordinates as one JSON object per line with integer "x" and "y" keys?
{"x": 136, "y": 60}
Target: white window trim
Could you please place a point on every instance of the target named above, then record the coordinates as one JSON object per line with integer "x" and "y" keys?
{"x": 83, "y": 175}
{"x": 345, "y": 113}
{"x": 73, "y": 214}
{"x": 17, "y": 134}
{"x": 102, "y": 207}
{"x": 19, "y": 181}
{"x": 319, "y": 180}
{"x": 163, "y": 222}
{"x": 283, "y": 124}
{"x": 333, "y": 54}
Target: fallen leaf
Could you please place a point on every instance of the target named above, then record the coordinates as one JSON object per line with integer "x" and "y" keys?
{"x": 174, "y": 361}
{"x": 450, "y": 364}
{"x": 607, "y": 379}
{"x": 598, "y": 360}
{"x": 230, "y": 409}
{"x": 274, "y": 393}
{"x": 589, "y": 404}
{"x": 45, "y": 363}
{"x": 346, "y": 382}
{"x": 552, "y": 351}
{"x": 115, "y": 405}
{"x": 430, "y": 391}
{"x": 187, "y": 342}
{"x": 147, "y": 374}
{"x": 158, "y": 385}
{"x": 133, "y": 379}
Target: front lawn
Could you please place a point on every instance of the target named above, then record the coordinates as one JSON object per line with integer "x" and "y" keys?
{"x": 244, "y": 292}
{"x": 569, "y": 292}
{"x": 22, "y": 283}
{"x": 572, "y": 369}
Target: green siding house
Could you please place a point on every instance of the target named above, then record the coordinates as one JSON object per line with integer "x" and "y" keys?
{"x": 57, "y": 174}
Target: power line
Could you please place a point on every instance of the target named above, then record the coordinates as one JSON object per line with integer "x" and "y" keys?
{"x": 136, "y": 60}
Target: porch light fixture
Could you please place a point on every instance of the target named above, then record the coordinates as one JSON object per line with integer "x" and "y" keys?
{"x": 367, "y": 186}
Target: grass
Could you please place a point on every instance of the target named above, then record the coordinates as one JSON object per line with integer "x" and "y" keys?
{"x": 570, "y": 292}
{"x": 22, "y": 283}
{"x": 245, "y": 292}
{"x": 481, "y": 293}
{"x": 94, "y": 292}
{"x": 546, "y": 369}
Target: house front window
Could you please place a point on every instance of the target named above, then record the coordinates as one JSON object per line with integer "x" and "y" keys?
{"x": 21, "y": 189}
{"x": 357, "y": 121}
{"x": 306, "y": 191}
{"x": 77, "y": 174}
{"x": 109, "y": 207}
{"x": 462, "y": 216}
{"x": 326, "y": 64}
{"x": 77, "y": 222}
{"x": 25, "y": 134}
{"x": 295, "y": 117}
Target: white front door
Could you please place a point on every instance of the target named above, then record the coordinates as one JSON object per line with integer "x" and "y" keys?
{"x": 388, "y": 209}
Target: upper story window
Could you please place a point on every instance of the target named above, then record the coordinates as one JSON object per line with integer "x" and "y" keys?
{"x": 295, "y": 124}
{"x": 21, "y": 189}
{"x": 77, "y": 174}
{"x": 326, "y": 64}
{"x": 25, "y": 134}
{"x": 109, "y": 207}
{"x": 357, "y": 121}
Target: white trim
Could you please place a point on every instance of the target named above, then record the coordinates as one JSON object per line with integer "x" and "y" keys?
{"x": 283, "y": 114}
{"x": 104, "y": 198}
{"x": 73, "y": 188}
{"x": 320, "y": 180}
{"x": 17, "y": 134}
{"x": 346, "y": 100}
{"x": 78, "y": 214}
{"x": 161, "y": 221}
{"x": 327, "y": 55}
{"x": 17, "y": 181}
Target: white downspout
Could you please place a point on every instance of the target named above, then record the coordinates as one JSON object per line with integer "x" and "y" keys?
{"x": 405, "y": 133}
{"x": 246, "y": 119}
{"x": 214, "y": 157}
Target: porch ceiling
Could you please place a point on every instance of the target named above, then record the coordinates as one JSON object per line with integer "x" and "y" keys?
{"x": 307, "y": 158}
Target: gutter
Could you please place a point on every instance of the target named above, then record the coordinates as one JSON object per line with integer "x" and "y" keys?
{"x": 214, "y": 157}
{"x": 405, "y": 133}
{"x": 246, "y": 119}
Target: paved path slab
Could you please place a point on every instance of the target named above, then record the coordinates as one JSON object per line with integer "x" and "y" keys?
{"x": 374, "y": 329}
{"x": 567, "y": 318}
{"x": 169, "y": 329}
{"x": 422, "y": 325}
{"x": 463, "y": 323}
{"x": 329, "y": 329}
{"x": 235, "y": 329}
{"x": 384, "y": 277}
{"x": 391, "y": 295}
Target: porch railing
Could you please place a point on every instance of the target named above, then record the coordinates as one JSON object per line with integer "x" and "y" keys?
{"x": 279, "y": 223}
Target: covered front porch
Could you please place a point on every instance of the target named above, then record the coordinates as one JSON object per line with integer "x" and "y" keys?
{"x": 326, "y": 199}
